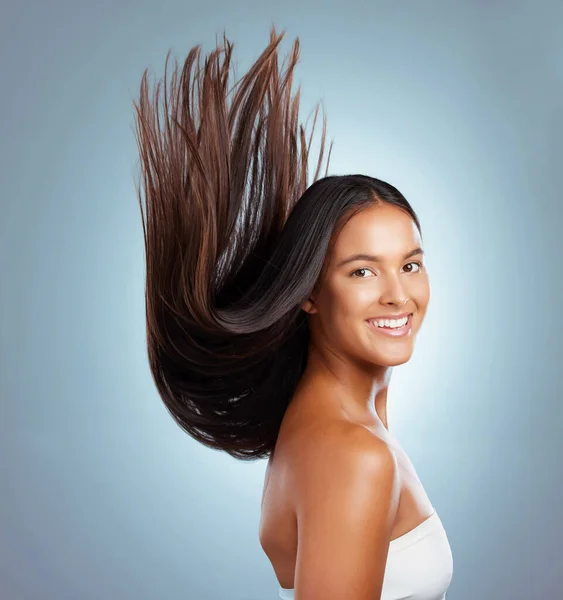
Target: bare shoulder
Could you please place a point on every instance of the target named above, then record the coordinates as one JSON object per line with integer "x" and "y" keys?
{"x": 341, "y": 452}
{"x": 346, "y": 502}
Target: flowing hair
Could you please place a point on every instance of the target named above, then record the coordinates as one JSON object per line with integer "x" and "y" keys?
{"x": 236, "y": 240}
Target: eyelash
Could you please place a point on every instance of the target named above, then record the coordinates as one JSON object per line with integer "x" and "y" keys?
{"x": 419, "y": 264}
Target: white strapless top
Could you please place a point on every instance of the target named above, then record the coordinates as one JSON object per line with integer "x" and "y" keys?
{"x": 419, "y": 564}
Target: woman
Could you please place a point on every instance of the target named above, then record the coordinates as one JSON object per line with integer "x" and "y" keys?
{"x": 275, "y": 312}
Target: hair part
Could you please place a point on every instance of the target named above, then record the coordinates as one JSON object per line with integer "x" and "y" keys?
{"x": 235, "y": 241}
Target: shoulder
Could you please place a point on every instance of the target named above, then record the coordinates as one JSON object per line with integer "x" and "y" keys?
{"x": 338, "y": 438}
{"x": 341, "y": 453}
{"x": 346, "y": 499}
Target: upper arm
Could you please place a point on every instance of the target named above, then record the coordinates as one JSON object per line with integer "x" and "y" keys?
{"x": 345, "y": 514}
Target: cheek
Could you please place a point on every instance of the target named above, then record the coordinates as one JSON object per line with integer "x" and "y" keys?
{"x": 421, "y": 292}
{"x": 354, "y": 294}
{"x": 354, "y": 302}
{"x": 341, "y": 308}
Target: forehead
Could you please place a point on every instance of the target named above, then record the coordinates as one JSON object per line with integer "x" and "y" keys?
{"x": 383, "y": 230}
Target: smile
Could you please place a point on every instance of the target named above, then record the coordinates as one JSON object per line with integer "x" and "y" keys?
{"x": 393, "y": 332}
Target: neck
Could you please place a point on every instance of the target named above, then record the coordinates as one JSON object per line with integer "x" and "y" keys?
{"x": 361, "y": 396}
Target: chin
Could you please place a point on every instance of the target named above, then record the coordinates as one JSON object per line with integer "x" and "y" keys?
{"x": 397, "y": 362}
{"x": 393, "y": 361}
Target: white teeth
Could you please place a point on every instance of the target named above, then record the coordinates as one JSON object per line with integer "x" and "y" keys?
{"x": 391, "y": 323}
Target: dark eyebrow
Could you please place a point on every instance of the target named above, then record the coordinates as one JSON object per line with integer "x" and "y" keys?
{"x": 373, "y": 258}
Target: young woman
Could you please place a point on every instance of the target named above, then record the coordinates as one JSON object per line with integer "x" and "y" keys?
{"x": 275, "y": 313}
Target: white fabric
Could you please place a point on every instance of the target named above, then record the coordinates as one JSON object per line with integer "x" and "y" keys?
{"x": 419, "y": 564}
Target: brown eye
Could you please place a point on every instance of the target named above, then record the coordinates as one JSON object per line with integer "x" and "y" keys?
{"x": 419, "y": 265}
{"x": 358, "y": 270}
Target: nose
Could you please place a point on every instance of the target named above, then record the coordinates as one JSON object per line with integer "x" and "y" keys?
{"x": 394, "y": 292}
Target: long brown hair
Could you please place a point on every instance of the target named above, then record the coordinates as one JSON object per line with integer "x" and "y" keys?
{"x": 235, "y": 241}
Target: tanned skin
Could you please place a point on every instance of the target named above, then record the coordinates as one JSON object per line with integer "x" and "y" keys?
{"x": 338, "y": 487}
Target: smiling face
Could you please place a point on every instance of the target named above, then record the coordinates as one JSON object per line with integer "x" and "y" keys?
{"x": 390, "y": 282}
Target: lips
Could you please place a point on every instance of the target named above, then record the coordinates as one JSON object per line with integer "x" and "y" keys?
{"x": 399, "y": 316}
{"x": 396, "y": 332}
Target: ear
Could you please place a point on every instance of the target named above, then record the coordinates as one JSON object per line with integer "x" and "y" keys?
{"x": 309, "y": 306}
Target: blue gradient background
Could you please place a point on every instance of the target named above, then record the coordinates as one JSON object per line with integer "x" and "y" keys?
{"x": 458, "y": 104}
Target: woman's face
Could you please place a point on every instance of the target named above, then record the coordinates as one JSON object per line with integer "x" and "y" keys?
{"x": 354, "y": 291}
